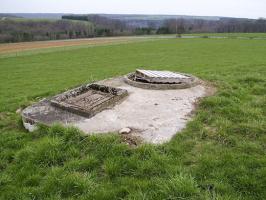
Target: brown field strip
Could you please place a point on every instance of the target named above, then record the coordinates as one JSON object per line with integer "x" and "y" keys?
{"x": 25, "y": 46}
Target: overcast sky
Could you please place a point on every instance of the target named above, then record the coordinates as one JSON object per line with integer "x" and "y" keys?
{"x": 229, "y": 8}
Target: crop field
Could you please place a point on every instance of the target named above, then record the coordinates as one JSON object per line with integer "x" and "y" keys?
{"x": 32, "y": 47}
{"x": 221, "y": 154}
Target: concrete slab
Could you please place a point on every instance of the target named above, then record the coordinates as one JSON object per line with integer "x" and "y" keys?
{"x": 153, "y": 116}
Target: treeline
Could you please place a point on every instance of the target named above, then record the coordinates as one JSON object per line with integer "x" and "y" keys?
{"x": 105, "y": 26}
{"x": 85, "y": 26}
{"x": 224, "y": 25}
{"x": 21, "y": 30}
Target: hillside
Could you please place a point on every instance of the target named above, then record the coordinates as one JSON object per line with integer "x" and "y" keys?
{"x": 38, "y": 15}
{"x": 22, "y": 30}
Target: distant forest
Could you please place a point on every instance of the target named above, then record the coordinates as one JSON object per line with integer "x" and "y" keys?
{"x": 19, "y": 29}
{"x": 24, "y": 30}
{"x": 111, "y": 25}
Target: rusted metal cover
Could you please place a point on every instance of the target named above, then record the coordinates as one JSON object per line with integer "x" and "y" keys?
{"x": 152, "y": 76}
{"x": 89, "y": 100}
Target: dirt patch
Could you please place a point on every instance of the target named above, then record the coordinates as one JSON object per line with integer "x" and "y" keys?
{"x": 210, "y": 90}
{"x": 209, "y": 87}
{"x": 2, "y": 115}
{"x": 24, "y": 46}
{"x": 131, "y": 140}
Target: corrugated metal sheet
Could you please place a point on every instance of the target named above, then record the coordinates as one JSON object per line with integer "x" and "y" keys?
{"x": 160, "y": 76}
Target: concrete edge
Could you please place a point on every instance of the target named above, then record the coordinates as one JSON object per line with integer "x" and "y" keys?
{"x": 153, "y": 86}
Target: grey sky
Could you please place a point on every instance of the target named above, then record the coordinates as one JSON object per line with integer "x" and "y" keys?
{"x": 230, "y": 8}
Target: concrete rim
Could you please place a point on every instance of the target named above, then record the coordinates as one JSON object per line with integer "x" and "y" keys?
{"x": 193, "y": 81}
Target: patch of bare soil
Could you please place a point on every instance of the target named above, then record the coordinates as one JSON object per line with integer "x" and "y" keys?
{"x": 210, "y": 90}
{"x": 2, "y": 115}
{"x": 130, "y": 140}
{"x": 23, "y": 46}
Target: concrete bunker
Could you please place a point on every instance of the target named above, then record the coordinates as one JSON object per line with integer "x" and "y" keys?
{"x": 148, "y": 106}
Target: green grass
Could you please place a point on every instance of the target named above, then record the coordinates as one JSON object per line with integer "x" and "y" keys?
{"x": 220, "y": 155}
{"x": 232, "y": 35}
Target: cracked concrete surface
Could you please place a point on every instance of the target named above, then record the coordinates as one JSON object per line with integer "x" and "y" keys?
{"x": 155, "y": 116}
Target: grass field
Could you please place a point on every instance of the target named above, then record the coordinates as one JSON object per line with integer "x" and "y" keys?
{"x": 36, "y": 47}
{"x": 232, "y": 35}
{"x": 220, "y": 155}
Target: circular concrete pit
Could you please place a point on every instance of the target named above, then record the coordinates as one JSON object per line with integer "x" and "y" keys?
{"x": 153, "y": 105}
{"x": 160, "y": 80}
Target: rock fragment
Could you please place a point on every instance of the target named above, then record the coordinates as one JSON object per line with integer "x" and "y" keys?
{"x": 125, "y": 130}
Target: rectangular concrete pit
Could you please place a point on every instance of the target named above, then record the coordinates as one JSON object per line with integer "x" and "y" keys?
{"x": 152, "y": 76}
{"x": 88, "y": 100}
